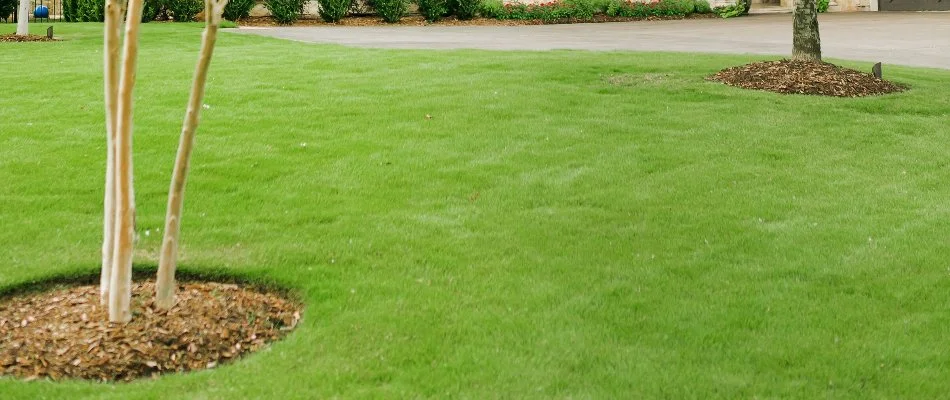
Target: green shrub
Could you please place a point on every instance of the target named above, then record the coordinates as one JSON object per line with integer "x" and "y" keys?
{"x": 333, "y": 10}
{"x": 70, "y": 10}
{"x": 823, "y": 5}
{"x": 433, "y": 10}
{"x": 391, "y": 10}
{"x": 464, "y": 9}
{"x": 735, "y": 10}
{"x": 285, "y": 12}
{"x": 238, "y": 9}
{"x": 491, "y": 9}
{"x": 90, "y": 10}
{"x": 701, "y": 7}
{"x": 184, "y": 10}
{"x": 582, "y": 9}
{"x": 151, "y": 9}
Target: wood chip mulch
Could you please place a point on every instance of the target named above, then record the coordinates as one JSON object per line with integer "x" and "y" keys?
{"x": 27, "y": 38}
{"x": 64, "y": 333}
{"x": 417, "y": 20}
{"x": 805, "y": 77}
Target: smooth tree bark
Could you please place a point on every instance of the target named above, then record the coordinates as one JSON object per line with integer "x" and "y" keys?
{"x": 806, "y": 43}
{"x": 120, "y": 290}
{"x": 165, "y": 285}
{"x": 113, "y": 25}
{"x": 23, "y": 18}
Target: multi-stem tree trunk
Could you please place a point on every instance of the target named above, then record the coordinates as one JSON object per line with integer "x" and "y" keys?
{"x": 23, "y": 18}
{"x": 806, "y": 43}
{"x": 120, "y": 290}
{"x": 113, "y": 24}
{"x": 165, "y": 285}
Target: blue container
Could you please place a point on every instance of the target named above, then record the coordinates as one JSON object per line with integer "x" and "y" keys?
{"x": 41, "y": 12}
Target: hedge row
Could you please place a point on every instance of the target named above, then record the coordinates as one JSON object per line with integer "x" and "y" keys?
{"x": 289, "y": 11}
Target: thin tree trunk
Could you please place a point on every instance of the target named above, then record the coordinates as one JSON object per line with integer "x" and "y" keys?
{"x": 165, "y": 286}
{"x": 23, "y": 18}
{"x": 806, "y": 43}
{"x": 120, "y": 291}
{"x": 113, "y": 22}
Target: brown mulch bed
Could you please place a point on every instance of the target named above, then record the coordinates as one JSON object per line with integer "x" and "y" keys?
{"x": 27, "y": 38}
{"x": 417, "y": 20}
{"x": 805, "y": 77}
{"x": 64, "y": 333}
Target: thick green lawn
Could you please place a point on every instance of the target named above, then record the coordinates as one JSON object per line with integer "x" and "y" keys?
{"x": 548, "y": 233}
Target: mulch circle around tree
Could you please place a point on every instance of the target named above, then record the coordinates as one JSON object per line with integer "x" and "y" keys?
{"x": 417, "y": 20}
{"x": 27, "y": 38}
{"x": 806, "y": 77}
{"x": 64, "y": 333}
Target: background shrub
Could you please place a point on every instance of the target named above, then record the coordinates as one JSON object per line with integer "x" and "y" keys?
{"x": 238, "y": 9}
{"x": 464, "y": 9}
{"x": 285, "y": 11}
{"x": 333, "y": 10}
{"x": 90, "y": 10}
{"x": 70, "y": 10}
{"x": 391, "y": 10}
{"x": 151, "y": 9}
{"x": 184, "y": 10}
{"x": 701, "y": 7}
{"x": 823, "y": 5}
{"x": 433, "y": 10}
{"x": 582, "y": 9}
{"x": 492, "y": 9}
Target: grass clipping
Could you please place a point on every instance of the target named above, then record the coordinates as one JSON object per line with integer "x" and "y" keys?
{"x": 806, "y": 77}
{"x": 66, "y": 334}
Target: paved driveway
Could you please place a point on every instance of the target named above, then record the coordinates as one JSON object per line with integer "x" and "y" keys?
{"x": 920, "y": 39}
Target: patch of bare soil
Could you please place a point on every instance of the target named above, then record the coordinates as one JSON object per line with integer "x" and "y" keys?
{"x": 417, "y": 20}
{"x": 27, "y": 38}
{"x": 806, "y": 77}
{"x": 65, "y": 333}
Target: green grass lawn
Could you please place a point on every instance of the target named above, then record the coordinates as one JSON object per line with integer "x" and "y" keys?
{"x": 548, "y": 233}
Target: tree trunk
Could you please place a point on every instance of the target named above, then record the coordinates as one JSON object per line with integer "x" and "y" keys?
{"x": 23, "y": 18}
{"x": 165, "y": 285}
{"x": 120, "y": 291}
{"x": 113, "y": 22}
{"x": 806, "y": 43}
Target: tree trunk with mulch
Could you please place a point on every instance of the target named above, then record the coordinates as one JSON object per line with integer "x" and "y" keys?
{"x": 806, "y": 44}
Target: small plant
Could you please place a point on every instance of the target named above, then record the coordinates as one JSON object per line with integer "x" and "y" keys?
{"x": 333, "y": 10}
{"x": 582, "y": 9}
{"x": 238, "y": 9}
{"x": 491, "y": 9}
{"x": 285, "y": 12}
{"x": 741, "y": 7}
{"x": 823, "y": 5}
{"x": 184, "y": 10}
{"x": 701, "y": 7}
{"x": 433, "y": 10}
{"x": 465, "y": 9}
{"x": 391, "y": 10}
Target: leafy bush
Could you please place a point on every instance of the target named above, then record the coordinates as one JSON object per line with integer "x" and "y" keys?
{"x": 823, "y": 5}
{"x": 91, "y": 10}
{"x": 492, "y": 9}
{"x": 464, "y": 9}
{"x": 238, "y": 9}
{"x": 333, "y": 10}
{"x": 70, "y": 10}
{"x": 702, "y": 7}
{"x": 151, "y": 9}
{"x": 184, "y": 10}
{"x": 391, "y": 10}
{"x": 433, "y": 10}
{"x": 740, "y": 8}
{"x": 285, "y": 11}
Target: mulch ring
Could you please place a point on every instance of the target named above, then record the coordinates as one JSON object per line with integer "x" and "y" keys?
{"x": 65, "y": 333}
{"x": 418, "y": 20}
{"x": 806, "y": 77}
{"x": 27, "y": 38}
